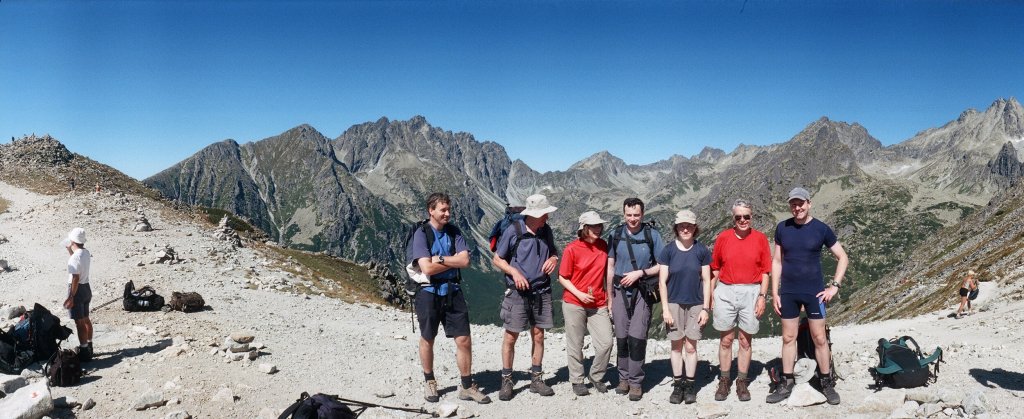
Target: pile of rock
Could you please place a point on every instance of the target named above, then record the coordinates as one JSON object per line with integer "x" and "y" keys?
{"x": 922, "y": 402}
{"x": 141, "y": 223}
{"x": 240, "y": 347}
{"x": 226, "y": 233}
{"x": 167, "y": 255}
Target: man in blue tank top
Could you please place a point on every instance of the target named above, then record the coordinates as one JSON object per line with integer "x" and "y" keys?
{"x": 798, "y": 284}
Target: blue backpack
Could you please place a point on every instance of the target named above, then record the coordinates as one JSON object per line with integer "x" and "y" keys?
{"x": 512, "y": 214}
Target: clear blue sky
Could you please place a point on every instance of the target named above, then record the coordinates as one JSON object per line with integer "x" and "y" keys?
{"x": 141, "y": 85}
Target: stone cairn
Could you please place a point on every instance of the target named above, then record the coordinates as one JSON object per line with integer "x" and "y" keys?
{"x": 141, "y": 223}
{"x": 167, "y": 255}
{"x": 239, "y": 347}
{"x": 226, "y": 233}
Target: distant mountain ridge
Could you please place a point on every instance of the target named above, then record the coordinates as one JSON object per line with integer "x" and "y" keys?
{"x": 353, "y": 196}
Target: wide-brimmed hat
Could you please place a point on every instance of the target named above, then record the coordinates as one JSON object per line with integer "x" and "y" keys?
{"x": 76, "y": 235}
{"x": 685, "y": 216}
{"x": 799, "y": 193}
{"x": 537, "y": 205}
{"x": 589, "y": 218}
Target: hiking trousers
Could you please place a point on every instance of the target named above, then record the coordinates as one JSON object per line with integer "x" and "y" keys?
{"x": 630, "y": 336}
{"x": 595, "y": 321}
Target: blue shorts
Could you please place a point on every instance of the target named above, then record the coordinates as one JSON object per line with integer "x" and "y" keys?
{"x": 792, "y": 303}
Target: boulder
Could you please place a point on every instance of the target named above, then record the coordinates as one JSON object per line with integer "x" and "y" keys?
{"x": 240, "y": 347}
{"x": 224, "y": 395}
{"x": 32, "y": 401}
{"x": 883, "y": 401}
{"x": 804, "y": 395}
{"x": 179, "y": 414}
{"x": 89, "y": 404}
{"x": 10, "y": 312}
{"x": 270, "y": 369}
{"x": 445, "y": 410}
{"x": 907, "y": 411}
{"x": 711, "y": 410}
{"x": 975, "y": 403}
{"x": 243, "y": 337}
{"x": 150, "y": 399}
{"x": 921, "y": 395}
{"x": 11, "y": 383}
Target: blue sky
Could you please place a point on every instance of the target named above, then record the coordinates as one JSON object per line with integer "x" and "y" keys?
{"x": 141, "y": 85}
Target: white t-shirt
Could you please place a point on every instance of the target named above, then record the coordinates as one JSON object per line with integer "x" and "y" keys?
{"x": 79, "y": 263}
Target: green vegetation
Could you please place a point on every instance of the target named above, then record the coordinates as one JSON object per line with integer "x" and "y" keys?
{"x": 335, "y": 277}
{"x": 214, "y": 215}
{"x": 4, "y": 205}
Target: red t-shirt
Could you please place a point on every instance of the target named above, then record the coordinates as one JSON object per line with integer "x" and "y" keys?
{"x": 583, "y": 264}
{"x": 741, "y": 261}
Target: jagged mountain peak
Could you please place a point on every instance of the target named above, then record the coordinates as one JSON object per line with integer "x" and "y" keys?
{"x": 601, "y": 160}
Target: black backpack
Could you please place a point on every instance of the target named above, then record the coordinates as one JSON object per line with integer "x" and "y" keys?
{"x": 411, "y": 286}
{"x": 64, "y": 369}
{"x": 901, "y": 365}
{"x": 512, "y": 214}
{"x": 45, "y": 332}
{"x": 804, "y": 349}
{"x": 14, "y": 356}
{"x": 326, "y": 406}
{"x": 142, "y": 299}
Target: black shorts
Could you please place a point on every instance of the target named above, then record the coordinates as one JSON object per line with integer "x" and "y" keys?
{"x": 964, "y": 292}
{"x": 80, "y": 309}
{"x": 432, "y": 310}
{"x": 792, "y": 303}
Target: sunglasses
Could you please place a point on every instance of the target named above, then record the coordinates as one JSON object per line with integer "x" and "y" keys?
{"x": 742, "y": 217}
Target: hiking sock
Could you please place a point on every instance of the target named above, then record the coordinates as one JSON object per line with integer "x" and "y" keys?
{"x": 676, "y": 378}
{"x": 724, "y": 374}
{"x": 536, "y": 369}
{"x": 467, "y": 381}
{"x": 506, "y": 372}
{"x": 788, "y": 377}
{"x": 690, "y": 379}
{"x": 741, "y": 376}
{"x": 427, "y": 376}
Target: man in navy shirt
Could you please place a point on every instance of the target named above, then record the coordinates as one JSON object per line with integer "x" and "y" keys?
{"x": 798, "y": 283}
{"x": 442, "y": 300}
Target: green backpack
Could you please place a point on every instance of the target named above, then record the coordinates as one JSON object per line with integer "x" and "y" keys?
{"x": 901, "y": 365}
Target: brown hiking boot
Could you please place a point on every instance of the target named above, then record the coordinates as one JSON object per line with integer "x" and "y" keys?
{"x": 741, "y": 390}
{"x": 430, "y": 391}
{"x": 600, "y": 386}
{"x": 473, "y": 393}
{"x": 537, "y": 385}
{"x": 505, "y": 393}
{"x": 622, "y": 388}
{"x": 723, "y": 389}
{"x": 635, "y": 393}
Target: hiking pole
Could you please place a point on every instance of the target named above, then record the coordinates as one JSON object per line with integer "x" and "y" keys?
{"x": 109, "y": 303}
{"x": 365, "y": 405}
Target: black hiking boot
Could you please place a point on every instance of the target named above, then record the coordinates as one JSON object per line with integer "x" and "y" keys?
{"x": 829, "y": 390}
{"x": 690, "y": 395}
{"x": 678, "y": 388}
{"x": 781, "y": 392}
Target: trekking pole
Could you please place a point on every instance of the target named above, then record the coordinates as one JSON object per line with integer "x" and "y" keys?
{"x": 365, "y": 405}
{"x": 109, "y": 303}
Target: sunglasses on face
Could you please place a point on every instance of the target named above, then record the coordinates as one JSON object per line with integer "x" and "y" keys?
{"x": 742, "y": 217}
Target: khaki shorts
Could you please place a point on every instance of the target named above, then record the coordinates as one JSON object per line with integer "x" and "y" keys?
{"x": 734, "y": 307}
{"x": 686, "y": 317}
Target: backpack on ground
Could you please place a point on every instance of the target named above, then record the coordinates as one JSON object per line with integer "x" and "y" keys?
{"x": 142, "y": 299}
{"x": 901, "y": 364}
{"x": 805, "y": 349}
{"x": 14, "y": 356}
{"x": 64, "y": 369}
{"x": 512, "y": 214}
{"x": 45, "y": 332}
{"x": 186, "y": 301}
{"x": 326, "y": 406}
{"x": 412, "y": 285}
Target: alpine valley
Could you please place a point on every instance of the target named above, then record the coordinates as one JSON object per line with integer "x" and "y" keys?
{"x": 913, "y": 216}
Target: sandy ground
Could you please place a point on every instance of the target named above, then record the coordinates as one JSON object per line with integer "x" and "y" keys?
{"x": 363, "y": 351}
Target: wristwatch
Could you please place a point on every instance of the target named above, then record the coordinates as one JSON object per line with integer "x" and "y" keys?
{"x": 440, "y": 259}
{"x": 835, "y": 284}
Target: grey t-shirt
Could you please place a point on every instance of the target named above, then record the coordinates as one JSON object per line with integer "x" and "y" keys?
{"x": 529, "y": 256}
{"x": 641, "y": 251}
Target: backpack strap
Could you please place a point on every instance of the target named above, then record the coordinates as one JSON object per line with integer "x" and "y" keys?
{"x": 916, "y": 348}
{"x": 294, "y": 406}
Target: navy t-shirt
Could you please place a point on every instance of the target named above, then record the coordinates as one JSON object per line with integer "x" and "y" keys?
{"x": 442, "y": 246}
{"x": 530, "y": 255}
{"x": 685, "y": 284}
{"x": 801, "y": 255}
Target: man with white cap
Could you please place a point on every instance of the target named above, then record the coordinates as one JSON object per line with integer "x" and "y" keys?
{"x": 798, "y": 284}
{"x": 79, "y": 291}
{"x": 584, "y": 302}
{"x": 526, "y": 253}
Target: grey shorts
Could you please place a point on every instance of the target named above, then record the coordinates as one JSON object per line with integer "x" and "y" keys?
{"x": 734, "y": 307}
{"x": 686, "y": 317}
{"x": 80, "y": 309}
{"x": 521, "y": 312}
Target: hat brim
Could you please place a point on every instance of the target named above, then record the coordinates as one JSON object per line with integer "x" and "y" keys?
{"x": 538, "y": 212}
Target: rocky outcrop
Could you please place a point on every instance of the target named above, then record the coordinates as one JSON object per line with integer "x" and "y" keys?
{"x": 1006, "y": 164}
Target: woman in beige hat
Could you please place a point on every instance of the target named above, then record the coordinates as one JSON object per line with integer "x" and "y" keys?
{"x": 969, "y": 284}
{"x": 585, "y": 302}
{"x": 685, "y": 299}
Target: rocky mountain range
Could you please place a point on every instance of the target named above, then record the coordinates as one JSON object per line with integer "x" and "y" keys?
{"x": 354, "y": 196}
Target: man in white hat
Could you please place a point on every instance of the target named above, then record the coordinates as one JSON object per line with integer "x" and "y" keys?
{"x": 79, "y": 290}
{"x": 798, "y": 284}
{"x": 526, "y": 253}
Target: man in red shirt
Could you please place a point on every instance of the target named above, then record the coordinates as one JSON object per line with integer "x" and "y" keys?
{"x": 740, "y": 264}
{"x": 585, "y": 301}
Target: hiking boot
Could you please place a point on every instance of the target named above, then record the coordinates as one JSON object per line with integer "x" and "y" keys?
{"x": 829, "y": 390}
{"x": 723, "y": 389}
{"x": 580, "y": 389}
{"x": 622, "y": 388}
{"x": 505, "y": 393}
{"x": 742, "y": 392}
{"x": 635, "y": 393}
{"x": 473, "y": 393}
{"x": 781, "y": 392}
{"x": 537, "y": 385}
{"x": 601, "y": 387}
{"x": 690, "y": 395}
{"x": 430, "y": 391}
{"x": 678, "y": 388}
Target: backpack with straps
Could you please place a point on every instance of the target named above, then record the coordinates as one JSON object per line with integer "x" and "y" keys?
{"x": 512, "y": 214}
{"x": 411, "y": 285}
{"x": 648, "y": 287}
{"x": 544, "y": 234}
{"x": 901, "y": 364}
{"x": 142, "y": 299}
{"x": 327, "y": 406}
{"x": 64, "y": 368}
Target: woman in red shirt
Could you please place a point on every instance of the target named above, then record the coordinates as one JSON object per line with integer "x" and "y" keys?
{"x": 584, "y": 302}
